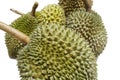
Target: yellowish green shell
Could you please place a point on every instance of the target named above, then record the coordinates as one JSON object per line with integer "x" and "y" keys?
{"x": 56, "y": 53}
{"x": 52, "y": 13}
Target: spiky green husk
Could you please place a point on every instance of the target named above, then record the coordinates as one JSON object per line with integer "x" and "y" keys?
{"x": 26, "y": 24}
{"x": 90, "y": 26}
{"x": 52, "y": 13}
{"x": 56, "y": 53}
{"x": 71, "y": 5}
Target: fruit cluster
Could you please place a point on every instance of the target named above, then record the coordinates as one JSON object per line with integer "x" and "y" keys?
{"x": 65, "y": 42}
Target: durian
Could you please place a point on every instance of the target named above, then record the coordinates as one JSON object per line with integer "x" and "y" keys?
{"x": 26, "y": 24}
{"x": 52, "y": 13}
{"x": 61, "y": 47}
{"x": 90, "y": 26}
{"x": 56, "y": 53}
{"x": 71, "y": 5}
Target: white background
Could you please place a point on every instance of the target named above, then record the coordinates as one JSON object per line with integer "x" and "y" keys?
{"x": 108, "y": 62}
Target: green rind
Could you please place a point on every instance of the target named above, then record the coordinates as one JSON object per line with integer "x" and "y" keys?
{"x": 26, "y": 24}
{"x": 90, "y": 26}
{"x": 56, "y": 53}
{"x": 71, "y": 5}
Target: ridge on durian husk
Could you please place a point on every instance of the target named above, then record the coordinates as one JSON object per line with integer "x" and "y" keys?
{"x": 56, "y": 53}
{"x": 51, "y": 13}
{"x": 71, "y": 5}
{"x": 26, "y": 24}
{"x": 91, "y": 27}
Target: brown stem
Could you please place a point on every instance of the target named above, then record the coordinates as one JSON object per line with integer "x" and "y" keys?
{"x": 88, "y": 4}
{"x": 34, "y": 8}
{"x": 17, "y": 12}
{"x": 14, "y": 32}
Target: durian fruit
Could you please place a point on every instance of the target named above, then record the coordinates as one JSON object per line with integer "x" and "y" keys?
{"x": 90, "y": 26}
{"x": 71, "y": 5}
{"x": 52, "y": 13}
{"x": 56, "y": 53}
{"x": 26, "y": 24}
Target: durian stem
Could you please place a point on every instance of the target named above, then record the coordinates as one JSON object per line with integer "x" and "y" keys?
{"x": 88, "y": 4}
{"x": 14, "y": 32}
{"x": 17, "y": 12}
{"x": 34, "y": 8}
